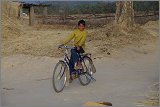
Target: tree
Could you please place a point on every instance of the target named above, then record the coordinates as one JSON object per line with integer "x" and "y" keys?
{"x": 124, "y": 15}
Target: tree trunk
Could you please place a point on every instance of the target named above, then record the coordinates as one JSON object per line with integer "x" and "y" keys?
{"x": 124, "y": 15}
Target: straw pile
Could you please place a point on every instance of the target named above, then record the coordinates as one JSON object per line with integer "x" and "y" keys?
{"x": 11, "y": 26}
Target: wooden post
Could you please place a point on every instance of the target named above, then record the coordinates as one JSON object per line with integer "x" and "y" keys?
{"x": 31, "y": 16}
{"x": 44, "y": 13}
{"x": 20, "y": 11}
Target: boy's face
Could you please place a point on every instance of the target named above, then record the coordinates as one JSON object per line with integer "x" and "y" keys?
{"x": 81, "y": 27}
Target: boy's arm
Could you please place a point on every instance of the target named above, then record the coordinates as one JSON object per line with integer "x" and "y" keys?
{"x": 69, "y": 38}
{"x": 83, "y": 40}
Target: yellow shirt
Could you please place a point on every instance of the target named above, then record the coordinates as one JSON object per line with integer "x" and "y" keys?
{"x": 78, "y": 36}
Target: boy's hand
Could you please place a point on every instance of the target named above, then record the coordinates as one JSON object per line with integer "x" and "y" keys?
{"x": 60, "y": 46}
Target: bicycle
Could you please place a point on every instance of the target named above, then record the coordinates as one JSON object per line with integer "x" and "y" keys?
{"x": 61, "y": 70}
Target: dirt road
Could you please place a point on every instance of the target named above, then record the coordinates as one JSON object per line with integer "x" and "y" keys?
{"x": 123, "y": 80}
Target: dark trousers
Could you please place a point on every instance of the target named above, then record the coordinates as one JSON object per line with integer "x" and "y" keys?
{"x": 74, "y": 58}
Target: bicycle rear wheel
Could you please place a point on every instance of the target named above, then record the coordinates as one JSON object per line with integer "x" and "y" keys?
{"x": 59, "y": 76}
{"x": 85, "y": 77}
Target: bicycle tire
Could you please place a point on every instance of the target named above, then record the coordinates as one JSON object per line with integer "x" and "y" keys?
{"x": 93, "y": 68}
{"x": 63, "y": 73}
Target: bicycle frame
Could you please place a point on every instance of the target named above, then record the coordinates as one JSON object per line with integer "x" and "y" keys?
{"x": 67, "y": 61}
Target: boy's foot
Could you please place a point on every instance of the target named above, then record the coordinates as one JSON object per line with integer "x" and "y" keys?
{"x": 73, "y": 76}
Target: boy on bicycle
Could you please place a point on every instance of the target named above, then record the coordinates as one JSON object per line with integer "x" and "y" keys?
{"x": 79, "y": 35}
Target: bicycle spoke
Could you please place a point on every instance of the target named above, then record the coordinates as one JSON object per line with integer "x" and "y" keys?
{"x": 59, "y": 73}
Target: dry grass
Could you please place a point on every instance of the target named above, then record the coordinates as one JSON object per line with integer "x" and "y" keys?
{"x": 104, "y": 41}
{"x": 109, "y": 39}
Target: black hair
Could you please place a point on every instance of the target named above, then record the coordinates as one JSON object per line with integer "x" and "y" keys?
{"x": 81, "y": 22}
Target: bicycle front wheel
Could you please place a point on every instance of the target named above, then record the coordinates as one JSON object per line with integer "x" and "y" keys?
{"x": 59, "y": 76}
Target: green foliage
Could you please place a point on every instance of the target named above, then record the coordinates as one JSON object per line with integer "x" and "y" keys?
{"x": 94, "y": 7}
{"x": 146, "y": 5}
{"x": 91, "y": 7}
{"x": 53, "y": 9}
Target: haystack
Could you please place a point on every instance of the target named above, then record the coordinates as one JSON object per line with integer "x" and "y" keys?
{"x": 11, "y": 26}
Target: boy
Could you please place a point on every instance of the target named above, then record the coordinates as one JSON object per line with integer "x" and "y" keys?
{"x": 79, "y": 35}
